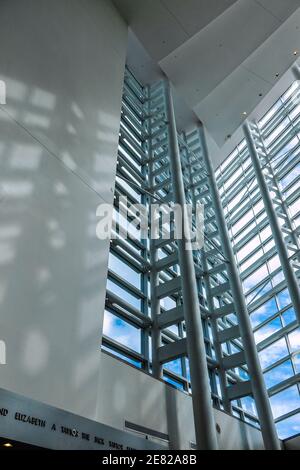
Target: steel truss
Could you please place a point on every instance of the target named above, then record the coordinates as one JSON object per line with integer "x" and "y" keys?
{"x": 163, "y": 167}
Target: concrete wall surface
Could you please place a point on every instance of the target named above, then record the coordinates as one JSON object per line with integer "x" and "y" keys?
{"x": 126, "y": 393}
{"x": 63, "y": 64}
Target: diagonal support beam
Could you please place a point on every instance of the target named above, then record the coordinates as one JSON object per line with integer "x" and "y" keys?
{"x": 258, "y": 386}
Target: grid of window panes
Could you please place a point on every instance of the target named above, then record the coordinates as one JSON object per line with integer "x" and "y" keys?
{"x": 126, "y": 332}
{"x": 244, "y": 407}
{"x": 273, "y": 319}
{"x": 126, "y": 312}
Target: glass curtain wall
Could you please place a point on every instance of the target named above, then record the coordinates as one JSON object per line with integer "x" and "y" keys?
{"x": 273, "y": 318}
{"x": 127, "y": 320}
{"x": 127, "y": 323}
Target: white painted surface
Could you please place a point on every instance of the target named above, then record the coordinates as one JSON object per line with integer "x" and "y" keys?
{"x": 63, "y": 63}
{"x": 126, "y": 393}
{"x": 221, "y": 110}
{"x": 292, "y": 444}
{"x": 221, "y": 56}
{"x": 164, "y": 25}
{"x": 266, "y": 103}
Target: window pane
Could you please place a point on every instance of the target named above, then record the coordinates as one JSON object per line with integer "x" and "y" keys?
{"x": 174, "y": 366}
{"x": 122, "y": 269}
{"x": 122, "y": 356}
{"x": 248, "y": 404}
{"x": 121, "y": 331}
{"x": 285, "y": 401}
{"x": 258, "y": 276}
{"x": 289, "y": 427}
{"x": 279, "y": 374}
{"x": 288, "y": 316}
{"x": 265, "y": 311}
{"x": 267, "y": 330}
{"x": 124, "y": 294}
{"x": 283, "y": 298}
{"x": 174, "y": 382}
{"x": 273, "y": 353}
{"x": 294, "y": 340}
{"x": 248, "y": 248}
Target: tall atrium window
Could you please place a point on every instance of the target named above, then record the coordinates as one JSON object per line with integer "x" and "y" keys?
{"x": 272, "y": 316}
{"x": 127, "y": 333}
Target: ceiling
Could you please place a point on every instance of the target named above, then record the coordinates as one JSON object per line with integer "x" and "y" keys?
{"x": 222, "y": 56}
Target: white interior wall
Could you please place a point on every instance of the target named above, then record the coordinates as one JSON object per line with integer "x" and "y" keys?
{"x": 126, "y": 393}
{"x": 63, "y": 64}
{"x": 293, "y": 443}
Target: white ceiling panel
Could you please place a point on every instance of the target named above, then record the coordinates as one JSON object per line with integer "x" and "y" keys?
{"x": 163, "y": 25}
{"x": 194, "y": 15}
{"x": 222, "y": 110}
{"x": 156, "y": 27}
{"x": 282, "y": 9}
{"x": 144, "y": 68}
{"x": 276, "y": 54}
{"x": 240, "y": 92}
{"x": 259, "y": 111}
{"x": 200, "y": 64}
{"x": 147, "y": 72}
{"x": 222, "y": 56}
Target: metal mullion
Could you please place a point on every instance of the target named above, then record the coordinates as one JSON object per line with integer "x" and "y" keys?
{"x": 122, "y": 348}
{"x": 129, "y": 127}
{"x": 232, "y": 169}
{"x": 251, "y": 195}
{"x": 112, "y": 299}
{"x": 132, "y": 104}
{"x": 287, "y": 169}
{"x": 130, "y": 260}
{"x": 124, "y": 149}
{"x": 278, "y": 363}
{"x": 136, "y": 242}
{"x": 136, "y": 93}
{"x": 183, "y": 140}
{"x": 252, "y": 201}
{"x": 177, "y": 378}
{"x": 128, "y": 115}
{"x": 129, "y": 89}
{"x": 145, "y": 335}
{"x": 275, "y": 290}
{"x": 282, "y": 139}
{"x": 294, "y": 196}
{"x": 136, "y": 174}
{"x": 127, "y": 316}
{"x": 129, "y": 75}
{"x": 276, "y": 120}
{"x": 123, "y": 282}
{"x": 266, "y": 321}
{"x": 229, "y": 195}
{"x": 283, "y": 159}
{"x": 121, "y": 191}
{"x": 287, "y": 415}
{"x": 246, "y": 195}
{"x": 284, "y": 163}
{"x": 285, "y": 166}
{"x": 284, "y": 207}
{"x": 130, "y": 215}
{"x": 136, "y": 155}
{"x": 132, "y": 146}
{"x": 282, "y": 332}
{"x": 258, "y": 263}
{"x": 255, "y": 231}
